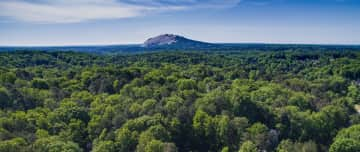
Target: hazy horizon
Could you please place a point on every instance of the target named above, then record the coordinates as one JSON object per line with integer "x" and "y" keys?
{"x": 140, "y": 43}
{"x": 121, "y": 22}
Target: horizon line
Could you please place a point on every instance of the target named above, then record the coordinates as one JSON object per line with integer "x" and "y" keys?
{"x": 219, "y": 43}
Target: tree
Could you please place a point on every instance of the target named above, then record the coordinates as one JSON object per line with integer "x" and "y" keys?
{"x": 237, "y": 131}
{"x": 55, "y": 144}
{"x": 104, "y": 146}
{"x": 13, "y": 145}
{"x": 202, "y": 124}
{"x": 354, "y": 93}
{"x": 69, "y": 110}
{"x": 75, "y": 131}
{"x": 186, "y": 84}
{"x": 248, "y": 146}
{"x": 258, "y": 134}
{"x": 7, "y": 78}
{"x": 225, "y": 149}
{"x": 347, "y": 140}
{"x": 148, "y": 107}
{"x": 4, "y": 98}
{"x": 327, "y": 122}
{"x": 169, "y": 147}
{"x": 214, "y": 102}
{"x": 39, "y": 84}
{"x": 351, "y": 132}
{"x": 345, "y": 145}
{"x": 125, "y": 140}
{"x": 300, "y": 100}
{"x": 289, "y": 146}
{"x": 154, "y": 146}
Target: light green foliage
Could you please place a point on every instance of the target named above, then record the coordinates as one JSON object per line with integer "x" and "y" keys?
{"x": 354, "y": 93}
{"x": 154, "y": 146}
{"x": 345, "y": 145}
{"x": 248, "y": 146}
{"x": 55, "y": 144}
{"x": 347, "y": 140}
{"x": 202, "y": 123}
{"x": 186, "y": 84}
{"x": 225, "y": 149}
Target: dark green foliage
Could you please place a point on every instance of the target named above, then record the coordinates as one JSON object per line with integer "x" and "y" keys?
{"x": 39, "y": 84}
{"x": 13, "y": 145}
{"x": 286, "y": 101}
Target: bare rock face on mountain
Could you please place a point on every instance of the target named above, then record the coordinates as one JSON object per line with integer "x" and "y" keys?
{"x": 165, "y": 39}
{"x": 173, "y": 41}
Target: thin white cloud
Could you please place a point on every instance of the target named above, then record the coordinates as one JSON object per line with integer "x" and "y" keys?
{"x": 70, "y": 11}
{"x": 64, "y": 12}
{"x": 186, "y": 3}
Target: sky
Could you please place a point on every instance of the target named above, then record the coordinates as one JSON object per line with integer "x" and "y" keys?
{"x": 105, "y": 22}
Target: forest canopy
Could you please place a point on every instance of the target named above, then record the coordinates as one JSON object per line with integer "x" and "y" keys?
{"x": 247, "y": 101}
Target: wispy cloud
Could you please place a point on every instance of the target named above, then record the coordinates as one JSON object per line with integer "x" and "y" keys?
{"x": 70, "y": 11}
{"x": 186, "y": 3}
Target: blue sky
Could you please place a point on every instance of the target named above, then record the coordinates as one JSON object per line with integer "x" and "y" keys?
{"x": 92, "y": 22}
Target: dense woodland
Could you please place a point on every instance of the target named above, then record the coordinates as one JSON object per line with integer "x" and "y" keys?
{"x": 248, "y": 101}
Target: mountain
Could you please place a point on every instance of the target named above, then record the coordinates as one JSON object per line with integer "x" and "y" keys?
{"x": 171, "y": 42}
{"x": 174, "y": 41}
